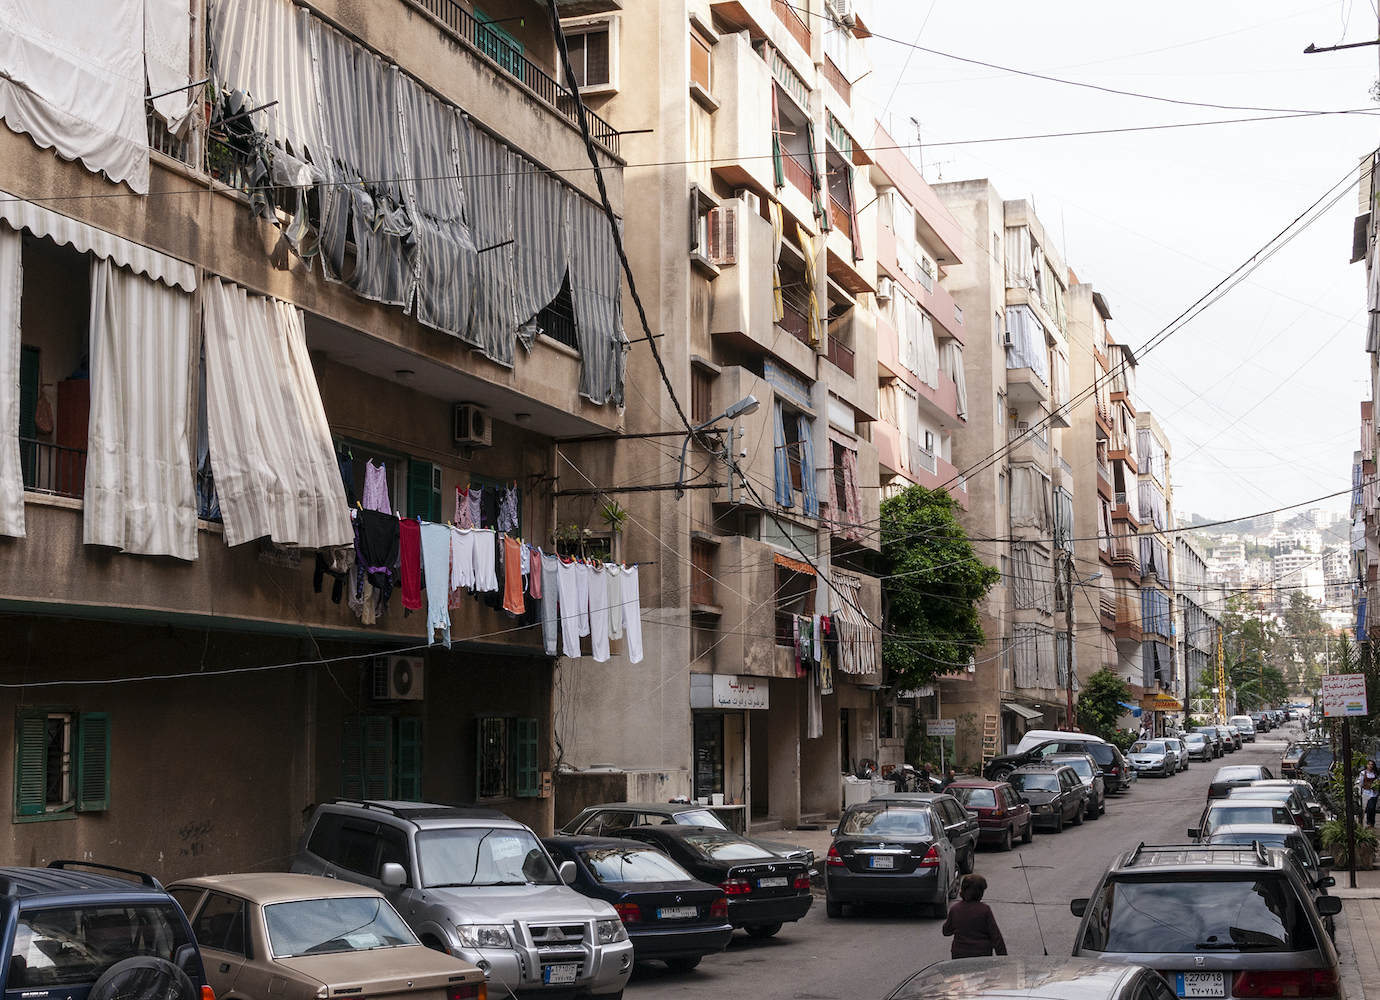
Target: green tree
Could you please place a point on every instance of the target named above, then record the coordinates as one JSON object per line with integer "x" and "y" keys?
{"x": 933, "y": 581}
{"x": 1099, "y": 703}
{"x": 1305, "y": 642}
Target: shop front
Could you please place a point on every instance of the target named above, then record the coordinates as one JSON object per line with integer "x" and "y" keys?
{"x": 722, "y": 706}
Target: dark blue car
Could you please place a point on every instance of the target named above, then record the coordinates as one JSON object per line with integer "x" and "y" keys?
{"x": 669, "y": 914}
{"x": 74, "y": 933}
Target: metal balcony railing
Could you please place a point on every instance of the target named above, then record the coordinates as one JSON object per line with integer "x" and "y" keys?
{"x": 794, "y": 23}
{"x": 841, "y": 356}
{"x": 51, "y": 468}
{"x": 838, "y": 214}
{"x": 797, "y": 172}
{"x": 839, "y": 82}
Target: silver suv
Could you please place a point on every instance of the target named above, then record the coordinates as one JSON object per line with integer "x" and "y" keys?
{"x": 480, "y": 886}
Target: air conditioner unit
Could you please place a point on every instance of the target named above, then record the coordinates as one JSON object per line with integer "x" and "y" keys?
{"x": 885, "y": 288}
{"x": 1006, "y": 339}
{"x": 843, "y": 10}
{"x": 472, "y": 426}
{"x": 397, "y": 678}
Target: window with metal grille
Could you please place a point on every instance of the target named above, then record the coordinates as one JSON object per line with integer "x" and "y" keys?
{"x": 506, "y": 758}
{"x": 701, "y": 572}
{"x": 62, "y": 763}
{"x": 701, "y": 394}
{"x": 557, "y": 320}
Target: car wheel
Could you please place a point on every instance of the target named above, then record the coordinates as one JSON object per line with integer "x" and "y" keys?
{"x": 1078, "y": 817}
{"x": 1005, "y": 843}
{"x": 999, "y": 773}
{"x": 833, "y": 909}
{"x": 1059, "y": 822}
{"x": 682, "y": 964}
{"x": 1102, "y": 806}
{"x": 969, "y": 861}
{"x": 939, "y": 909}
{"x": 762, "y": 930}
{"x": 1029, "y": 834}
{"x": 1092, "y": 811}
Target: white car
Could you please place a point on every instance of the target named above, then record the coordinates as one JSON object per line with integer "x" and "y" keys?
{"x": 1245, "y": 725}
{"x": 1180, "y": 750}
{"x": 1153, "y": 757}
{"x": 1035, "y": 737}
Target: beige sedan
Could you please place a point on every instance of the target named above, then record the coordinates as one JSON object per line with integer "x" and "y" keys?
{"x": 278, "y": 936}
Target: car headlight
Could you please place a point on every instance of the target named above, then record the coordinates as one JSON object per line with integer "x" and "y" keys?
{"x": 1044, "y": 808}
{"x": 484, "y": 936}
{"x": 611, "y": 931}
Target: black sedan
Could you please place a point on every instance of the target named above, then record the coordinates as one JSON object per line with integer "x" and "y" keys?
{"x": 669, "y": 914}
{"x": 763, "y": 890}
{"x": 891, "y": 850}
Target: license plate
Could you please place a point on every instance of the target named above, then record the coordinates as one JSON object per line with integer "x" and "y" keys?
{"x": 677, "y": 912}
{"x": 564, "y": 975}
{"x": 773, "y": 883}
{"x": 881, "y": 861}
{"x": 1201, "y": 984}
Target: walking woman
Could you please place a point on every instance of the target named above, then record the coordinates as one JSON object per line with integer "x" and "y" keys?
{"x": 1370, "y": 787}
{"x": 971, "y": 923}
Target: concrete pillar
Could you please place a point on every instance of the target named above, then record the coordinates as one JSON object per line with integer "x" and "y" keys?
{"x": 819, "y": 766}
{"x": 784, "y": 750}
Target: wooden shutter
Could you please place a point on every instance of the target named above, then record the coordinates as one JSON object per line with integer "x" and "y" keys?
{"x": 723, "y": 235}
{"x": 526, "y": 779}
{"x": 28, "y": 390}
{"x": 423, "y": 490}
{"x": 700, "y": 49}
{"x": 93, "y": 762}
{"x": 409, "y": 758}
{"x": 695, "y": 218}
{"x": 30, "y": 763}
{"x": 366, "y": 757}
{"x": 351, "y": 759}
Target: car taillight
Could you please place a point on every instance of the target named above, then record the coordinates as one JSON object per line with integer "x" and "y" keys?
{"x": 736, "y": 887}
{"x": 718, "y": 910}
{"x": 833, "y": 857}
{"x": 630, "y": 913}
{"x": 931, "y": 859}
{"x": 1286, "y": 983}
{"x": 802, "y": 881}
{"x": 207, "y": 993}
{"x": 468, "y": 991}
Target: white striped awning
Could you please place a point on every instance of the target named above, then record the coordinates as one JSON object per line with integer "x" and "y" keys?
{"x": 857, "y": 636}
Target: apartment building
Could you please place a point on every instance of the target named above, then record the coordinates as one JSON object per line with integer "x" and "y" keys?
{"x": 1019, "y": 487}
{"x": 271, "y": 338}
{"x": 1161, "y": 669}
{"x": 755, "y": 244}
{"x": 1198, "y": 606}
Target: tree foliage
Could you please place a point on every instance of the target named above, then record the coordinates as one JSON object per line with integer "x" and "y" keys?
{"x": 933, "y": 581}
{"x": 1305, "y": 642}
{"x": 1099, "y": 703}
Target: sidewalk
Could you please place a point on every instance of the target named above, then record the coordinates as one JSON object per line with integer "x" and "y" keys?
{"x": 1358, "y": 932}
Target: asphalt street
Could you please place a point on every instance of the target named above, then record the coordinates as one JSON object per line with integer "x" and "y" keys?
{"x": 866, "y": 954}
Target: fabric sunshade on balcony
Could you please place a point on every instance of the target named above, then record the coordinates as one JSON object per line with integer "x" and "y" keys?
{"x": 1027, "y": 336}
{"x": 11, "y": 469}
{"x": 857, "y": 636}
{"x": 1028, "y": 714}
{"x": 951, "y": 362}
{"x": 271, "y": 450}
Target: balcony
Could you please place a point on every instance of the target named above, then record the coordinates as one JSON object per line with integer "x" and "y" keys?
{"x": 948, "y": 317}
{"x": 1124, "y": 399}
{"x": 838, "y": 81}
{"x": 1127, "y": 621}
{"x": 944, "y": 475}
{"x": 841, "y": 356}
{"x": 1108, "y": 613}
{"x": 1104, "y": 481}
{"x": 1024, "y": 445}
{"x": 938, "y": 228}
{"x": 1025, "y": 388}
{"x": 795, "y": 24}
{"x": 1124, "y": 454}
{"x": 52, "y": 469}
{"x": 840, "y": 217}
{"x": 797, "y": 172}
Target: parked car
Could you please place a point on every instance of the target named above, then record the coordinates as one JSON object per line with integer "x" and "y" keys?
{"x": 1245, "y": 726}
{"x": 1235, "y": 776}
{"x": 1002, "y": 816}
{"x": 478, "y": 885}
{"x": 1034, "y": 737}
{"x": 1116, "y": 772}
{"x": 273, "y": 933}
{"x": 1313, "y": 867}
{"x": 1226, "y": 812}
{"x": 894, "y": 850}
{"x": 1217, "y": 921}
{"x": 1180, "y": 750}
{"x": 1293, "y": 714}
{"x": 1026, "y": 976}
{"x": 960, "y": 826}
{"x": 1306, "y": 791}
{"x": 1214, "y": 737}
{"x": 1091, "y": 776}
{"x": 1262, "y": 721}
{"x": 763, "y": 889}
{"x": 1317, "y": 761}
{"x": 1235, "y": 735}
{"x": 1054, "y": 793}
{"x": 1153, "y": 757}
{"x": 669, "y": 914}
{"x": 73, "y": 926}
{"x": 1298, "y": 810}
{"x": 1198, "y": 747}
{"x": 611, "y": 818}
{"x": 1288, "y": 763}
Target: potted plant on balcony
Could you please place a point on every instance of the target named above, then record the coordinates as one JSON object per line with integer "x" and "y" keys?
{"x": 1333, "y": 835}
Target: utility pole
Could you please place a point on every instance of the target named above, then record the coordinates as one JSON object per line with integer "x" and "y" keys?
{"x": 1068, "y": 628}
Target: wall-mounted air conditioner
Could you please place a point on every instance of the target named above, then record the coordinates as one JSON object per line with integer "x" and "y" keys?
{"x": 472, "y": 426}
{"x": 885, "y": 289}
{"x": 397, "y": 678}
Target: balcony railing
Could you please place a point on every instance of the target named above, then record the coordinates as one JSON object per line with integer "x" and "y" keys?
{"x": 838, "y": 214}
{"x": 839, "y": 82}
{"x": 794, "y": 23}
{"x": 515, "y": 64}
{"x": 797, "y": 172}
{"x": 841, "y": 356}
{"x": 1016, "y": 435}
{"x": 794, "y": 320}
{"x": 165, "y": 142}
{"x": 51, "y": 468}
{"x": 1108, "y": 608}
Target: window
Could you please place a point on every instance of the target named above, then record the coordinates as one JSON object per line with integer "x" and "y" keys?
{"x": 220, "y": 924}
{"x": 557, "y": 320}
{"x": 1001, "y": 489}
{"x": 61, "y": 763}
{"x": 506, "y": 758}
{"x": 381, "y": 757}
{"x": 65, "y": 946}
{"x": 795, "y": 595}
{"x": 423, "y": 490}
{"x": 701, "y": 394}
{"x": 593, "y": 47}
{"x": 701, "y": 50}
{"x": 701, "y": 572}
{"x": 500, "y": 46}
{"x": 1005, "y": 571}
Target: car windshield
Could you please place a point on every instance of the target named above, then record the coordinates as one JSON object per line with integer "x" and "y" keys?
{"x": 1230, "y": 815}
{"x": 1201, "y": 916}
{"x": 1288, "y": 842}
{"x": 1024, "y": 782}
{"x": 1236, "y": 774}
{"x": 881, "y": 821}
{"x": 1155, "y": 746}
{"x": 1195, "y": 738}
{"x": 724, "y": 847}
{"x": 700, "y": 817}
{"x": 476, "y": 856}
{"x": 633, "y": 864}
{"x": 975, "y": 798}
{"x": 335, "y": 924}
{"x": 72, "y": 945}
{"x": 1080, "y": 765}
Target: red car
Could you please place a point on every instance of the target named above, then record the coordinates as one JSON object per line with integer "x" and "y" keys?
{"x": 1002, "y": 816}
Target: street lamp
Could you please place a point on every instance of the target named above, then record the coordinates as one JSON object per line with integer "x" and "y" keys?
{"x": 744, "y": 406}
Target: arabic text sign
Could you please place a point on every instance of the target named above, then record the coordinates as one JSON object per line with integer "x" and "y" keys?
{"x": 941, "y": 727}
{"x": 1344, "y": 694}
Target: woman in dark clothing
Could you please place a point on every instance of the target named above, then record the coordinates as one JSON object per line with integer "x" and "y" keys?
{"x": 971, "y": 923}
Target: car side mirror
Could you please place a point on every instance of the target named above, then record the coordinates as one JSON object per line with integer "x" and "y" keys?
{"x": 1195, "y": 832}
{"x": 393, "y": 875}
{"x": 1078, "y": 907}
{"x": 1326, "y": 882}
{"x": 1329, "y": 906}
{"x": 567, "y": 871}
{"x": 834, "y": 832}
{"x": 1326, "y": 861}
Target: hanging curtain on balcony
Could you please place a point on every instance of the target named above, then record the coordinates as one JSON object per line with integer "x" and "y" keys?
{"x": 778, "y": 230}
{"x": 785, "y": 495}
{"x": 778, "y": 165}
{"x": 597, "y": 293}
{"x": 807, "y": 247}
{"x": 139, "y": 495}
{"x": 1059, "y": 379}
{"x": 539, "y": 253}
{"x": 1027, "y": 348}
{"x": 818, "y": 196}
{"x": 1030, "y": 498}
{"x": 1046, "y": 673}
{"x": 857, "y": 635}
{"x": 1025, "y": 654}
{"x": 1020, "y": 262}
{"x": 951, "y": 361}
{"x": 11, "y": 468}
{"x": 73, "y": 79}
{"x": 852, "y": 499}
{"x": 1030, "y": 577}
{"x": 911, "y": 434}
{"x": 490, "y": 185}
{"x": 854, "y": 231}
{"x": 1373, "y": 311}
{"x": 275, "y": 466}
{"x": 167, "y": 48}
{"x": 807, "y": 466}
{"x": 928, "y": 350}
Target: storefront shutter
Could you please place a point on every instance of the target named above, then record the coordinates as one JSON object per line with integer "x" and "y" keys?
{"x": 93, "y": 762}
{"x": 409, "y": 757}
{"x": 526, "y": 779}
{"x": 30, "y": 763}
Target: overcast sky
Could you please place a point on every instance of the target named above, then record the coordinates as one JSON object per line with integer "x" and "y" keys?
{"x": 1259, "y": 395}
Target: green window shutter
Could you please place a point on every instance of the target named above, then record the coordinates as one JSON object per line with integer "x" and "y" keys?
{"x": 498, "y": 44}
{"x": 28, "y": 390}
{"x": 526, "y": 778}
{"x": 409, "y": 758}
{"x": 351, "y": 760}
{"x": 378, "y": 756}
{"x": 423, "y": 490}
{"x": 93, "y": 762}
{"x": 30, "y": 763}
